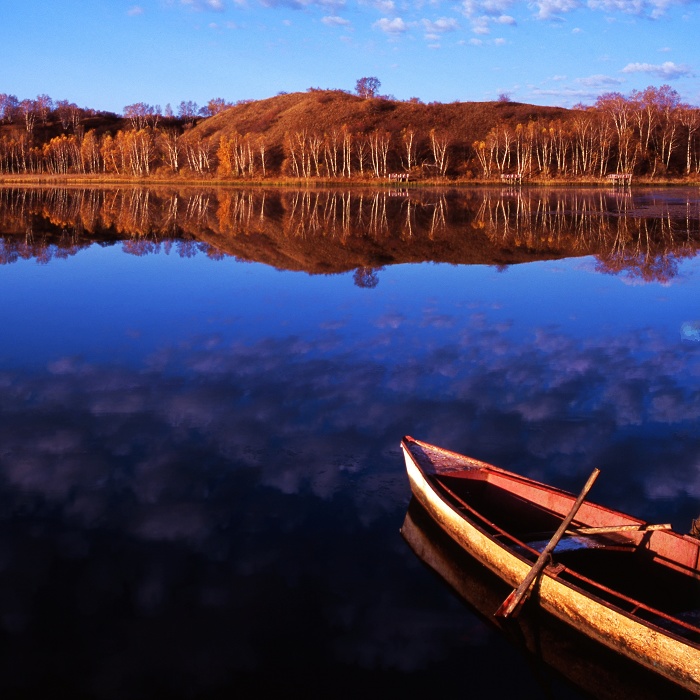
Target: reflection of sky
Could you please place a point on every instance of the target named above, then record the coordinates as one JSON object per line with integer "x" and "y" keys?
{"x": 108, "y": 306}
{"x": 186, "y": 440}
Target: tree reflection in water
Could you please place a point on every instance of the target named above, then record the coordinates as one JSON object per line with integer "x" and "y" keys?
{"x": 640, "y": 234}
{"x": 366, "y": 277}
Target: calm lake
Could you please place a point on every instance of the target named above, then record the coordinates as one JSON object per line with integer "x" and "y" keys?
{"x": 202, "y": 395}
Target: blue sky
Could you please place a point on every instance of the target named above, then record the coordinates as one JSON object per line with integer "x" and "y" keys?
{"x": 107, "y": 54}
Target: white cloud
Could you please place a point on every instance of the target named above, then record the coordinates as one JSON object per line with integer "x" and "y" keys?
{"x": 599, "y": 81}
{"x": 215, "y": 5}
{"x": 553, "y": 9}
{"x": 480, "y": 25}
{"x": 650, "y": 8}
{"x": 440, "y": 26}
{"x": 493, "y": 8}
{"x": 391, "y": 26}
{"x": 335, "y": 21}
{"x": 483, "y": 13}
{"x": 564, "y": 93}
{"x": 550, "y": 9}
{"x": 434, "y": 30}
{"x": 667, "y": 70}
{"x": 134, "y": 10}
{"x": 385, "y": 6}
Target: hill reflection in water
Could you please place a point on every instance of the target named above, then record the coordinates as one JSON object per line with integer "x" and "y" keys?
{"x": 639, "y": 233}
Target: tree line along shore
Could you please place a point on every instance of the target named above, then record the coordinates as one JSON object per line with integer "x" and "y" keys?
{"x": 333, "y": 135}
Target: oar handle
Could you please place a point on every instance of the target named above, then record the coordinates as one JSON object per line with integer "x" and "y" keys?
{"x": 522, "y": 591}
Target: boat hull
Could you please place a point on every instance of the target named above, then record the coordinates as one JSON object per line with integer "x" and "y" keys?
{"x": 550, "y": 645}
{"x": 654, "y": 648}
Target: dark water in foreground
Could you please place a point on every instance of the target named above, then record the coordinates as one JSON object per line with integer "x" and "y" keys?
{"x": 201, "y": 488}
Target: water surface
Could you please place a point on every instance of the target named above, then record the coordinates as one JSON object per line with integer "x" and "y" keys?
{"x": 203, "y": 393}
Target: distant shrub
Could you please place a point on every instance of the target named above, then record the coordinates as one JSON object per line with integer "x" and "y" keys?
{"x": 379, "y": 105}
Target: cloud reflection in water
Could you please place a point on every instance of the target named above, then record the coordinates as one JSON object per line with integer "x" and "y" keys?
{"x": 229, "y": 499}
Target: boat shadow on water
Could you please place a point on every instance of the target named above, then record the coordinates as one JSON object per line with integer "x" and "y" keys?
{"x": 554, "y": 650}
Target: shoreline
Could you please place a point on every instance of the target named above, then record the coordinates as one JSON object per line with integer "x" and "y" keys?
{"x": 314, "y": 183}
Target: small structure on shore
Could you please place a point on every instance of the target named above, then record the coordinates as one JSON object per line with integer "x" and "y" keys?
{"x": 620, "y": 179}
{"x": 398, "y": 177}
{"x": 512, "y": 178}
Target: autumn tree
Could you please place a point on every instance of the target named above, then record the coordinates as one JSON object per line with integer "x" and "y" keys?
{"x": 142, "y": 115}
{"x": 331, "y": 146}
{"x": 438, "y": 146}
{"x": 544, "y": 150}
{"x": 619, "y": 111}
{"x": 216, "y": 105}
{"x": 67, "y": 112}
{"x": 347, "y": 139}
{"x": 689, "y": 117}
{"x": 409, "y": 142}
{"x": 367, "y": 87}
{"x": 484, "y": 156}
{"x": 499, "y": 142}
{"x": 362, "y": 151}
{"x": 28, "y": 109}
{"x": 645, "y": 113}
{"x": 44, "y": 107}
{"x": 9, "y": 108}
{"x": 300, "y": 153}
{"x": 525, "y": 138}
{"x": 583, "y": 133}
{"x": 61, "y": 154}
{"x": 90, "y": 155}
{"x": 169, "y": 141}
{"x": 262, "y": 150}
{"x": 378, "y": 151}
{"x": 668, "y": 103}
{"x": 237, "y": 155}
{"x": 198, "y": 151}
{"x": 188, "y": 111}
{"x": 112, "y": 154}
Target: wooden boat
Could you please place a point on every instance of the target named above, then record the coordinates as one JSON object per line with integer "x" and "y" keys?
{"x": 613, "y": 577}
{"x": 552, "y": 650}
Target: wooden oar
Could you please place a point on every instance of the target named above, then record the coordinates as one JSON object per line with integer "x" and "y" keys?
{"x": 607, "y": 529}
{"x": 519, "y": 594}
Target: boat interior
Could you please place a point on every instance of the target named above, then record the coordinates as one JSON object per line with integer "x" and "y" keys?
{"x": 654, "y": 575}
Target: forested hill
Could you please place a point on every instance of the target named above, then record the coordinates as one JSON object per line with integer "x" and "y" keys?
{"x": 323, "y": 111}
{"x": 335, "y": 135}
{"x": 286, "y": 120}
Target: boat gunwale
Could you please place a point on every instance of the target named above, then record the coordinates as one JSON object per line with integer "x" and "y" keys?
{"x": 558, "y": 570}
